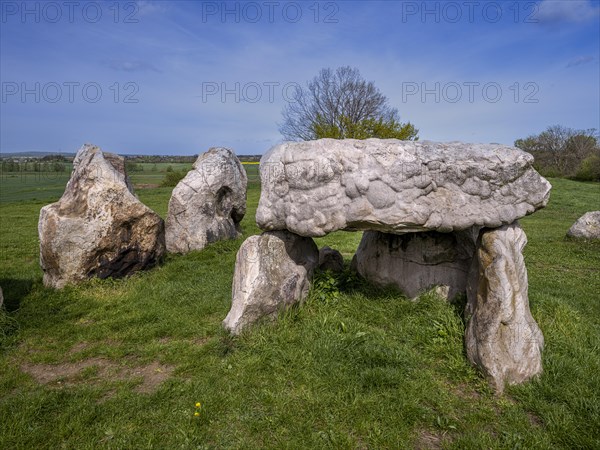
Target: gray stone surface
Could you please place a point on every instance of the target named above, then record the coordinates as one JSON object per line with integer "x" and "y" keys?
{"x": 313, "y": 188}
{"x": 98, "y": 227}
{"x": 330, "y": 259}
{"x": 272, "y": 271}
{"x": 501, "y": 337}
{"x": 586, "y": 227}
{"x": 1, "y": 297}
{"x": 416, "y": 262}
{"x": 208, "y": 204}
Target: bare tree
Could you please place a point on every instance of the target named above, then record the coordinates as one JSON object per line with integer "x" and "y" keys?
{"x": 337, "y": 100}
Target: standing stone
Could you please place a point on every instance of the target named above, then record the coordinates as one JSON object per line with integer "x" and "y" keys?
{"x": 502, "y": 338}
{"x": 272, "y": 272}
{"x": 330, "y": 259}
{"x": 98, "y": 228}
{"x": 586, "y": 227}
{"x": 416, "y": 262}
{"x": 208, "y": 204}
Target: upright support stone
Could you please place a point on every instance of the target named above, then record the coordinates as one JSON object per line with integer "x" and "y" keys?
{"x": 502, "y": 338}
{"x": 415, "y": 262}
{"x": 272, "y": 272}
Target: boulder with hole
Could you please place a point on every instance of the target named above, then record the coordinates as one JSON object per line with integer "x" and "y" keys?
{"x": 208, "y": 204}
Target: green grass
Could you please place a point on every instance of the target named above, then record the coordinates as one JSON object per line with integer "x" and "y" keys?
{"x": 365, "y": 369}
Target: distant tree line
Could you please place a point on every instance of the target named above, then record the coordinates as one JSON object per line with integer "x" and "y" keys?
{"x": 153, "y": 159}
{"x": 565, "y": 152}
{"x": 160, "y": 159}
{"x": 33, "y": 166}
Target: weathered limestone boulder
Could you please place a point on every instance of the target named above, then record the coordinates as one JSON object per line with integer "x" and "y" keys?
{"x": 98, "y": 227}
{"x": 330, "y": 259}
{"x": 208, "y": 204}
{"x": 416, "y": 262}
{"x": 272, "y": 271}
{"x": 586, "y": 227}
{"x": 313, "y": 188}
{"x": 501, "y": 337}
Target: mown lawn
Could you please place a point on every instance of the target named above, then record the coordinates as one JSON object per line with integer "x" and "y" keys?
{"x": 121, "y": 363}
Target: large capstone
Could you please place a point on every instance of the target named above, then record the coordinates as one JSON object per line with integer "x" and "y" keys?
{"x": 272, "y": 272}
{"x": 313, "y": 188}
{"x": 98, "y": 228}
{"x": 208, "y": 204}
{"x": 416, "y": 262}
{"x": 501, "y": 336}
{"x": 586, "y": 227}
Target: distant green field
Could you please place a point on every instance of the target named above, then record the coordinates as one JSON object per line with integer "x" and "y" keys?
{"x": 25, "y": 186}
{"x": 122, "y": 363}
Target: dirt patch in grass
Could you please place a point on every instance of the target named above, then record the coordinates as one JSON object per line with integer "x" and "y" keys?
{"x": 199, "y": 341}
{"x": 534, "y": 420}
{"x": 65, "y": 372}
{"x": 79, "y": 347}
{"x": 84, "y": 322}
{"x": 152, "y": 375}
{"x": 428, "y": 440}
{"x": 464, "y": 391}
{"x": 97, "y": 369}
{"x": 146, "y": 186}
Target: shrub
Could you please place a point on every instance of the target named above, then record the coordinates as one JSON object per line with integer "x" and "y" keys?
{"x": 172, "y": 178}
{"x": 130, "y": 166}
{"x": 589, "y": 170}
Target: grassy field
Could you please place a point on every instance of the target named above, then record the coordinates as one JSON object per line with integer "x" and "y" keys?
{"x": 122, "y": 363}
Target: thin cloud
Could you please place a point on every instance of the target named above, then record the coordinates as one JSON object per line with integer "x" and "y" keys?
{"x": 147, "y": 7}
{"x": 552, "y": 12}
{"x": 132, "y": 66}
{"x": 580, "y": 60}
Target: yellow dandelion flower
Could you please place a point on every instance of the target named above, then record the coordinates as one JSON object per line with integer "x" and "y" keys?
{"x": 196, "y": 414}
{"x": 197, "y": 404}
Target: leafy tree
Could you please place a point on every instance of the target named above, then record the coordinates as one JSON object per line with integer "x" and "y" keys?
{"x": 366, "y": 128}
{"x": 341, "y": 104}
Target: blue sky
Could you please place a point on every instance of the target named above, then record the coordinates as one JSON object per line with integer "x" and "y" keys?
{"x": 180, "y": 77}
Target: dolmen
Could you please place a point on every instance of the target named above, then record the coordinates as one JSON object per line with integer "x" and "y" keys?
{"x": 98, "y": 228}
{"x": 208, "y": 204}
{"x": 434, "y": 214}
